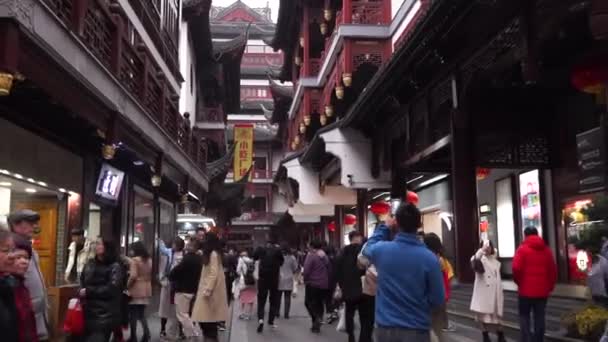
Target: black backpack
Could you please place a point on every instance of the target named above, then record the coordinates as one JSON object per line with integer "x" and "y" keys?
{"x": 249, "y": 278}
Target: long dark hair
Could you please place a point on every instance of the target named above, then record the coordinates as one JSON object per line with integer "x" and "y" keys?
{"x": 110, "y": 254}
{"x": 139, "y": 250}
{"x": 433, "y": 243}
{"x": 212, "y": 244}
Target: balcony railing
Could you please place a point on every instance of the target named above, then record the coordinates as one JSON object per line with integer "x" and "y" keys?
{"x": 368, "y": 12}
{"x": 101, "y": 27}
{"x": 258, "y": 174}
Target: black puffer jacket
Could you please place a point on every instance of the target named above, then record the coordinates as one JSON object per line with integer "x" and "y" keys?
{"x": 8, "y": 311}
{"x": 348, "y": 274}
{"x": 187, "y": 274}
{"x": 104, "y": 285}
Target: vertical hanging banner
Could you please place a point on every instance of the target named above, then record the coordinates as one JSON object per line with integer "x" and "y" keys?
{"x": 243, "y": 156}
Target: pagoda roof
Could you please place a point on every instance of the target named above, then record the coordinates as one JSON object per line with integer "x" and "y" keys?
{"x": 219, "y": 168}
{"x": 262, "y": 132}
{"x": 280, "y": 91}
{"x": 228, "y": 29}
{"x": 249, "y": 14}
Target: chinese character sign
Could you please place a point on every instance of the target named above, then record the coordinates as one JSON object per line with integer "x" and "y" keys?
{"x": 243, "y": 156}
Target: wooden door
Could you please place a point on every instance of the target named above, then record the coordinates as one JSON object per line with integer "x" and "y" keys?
{"x": 45, "y": 242}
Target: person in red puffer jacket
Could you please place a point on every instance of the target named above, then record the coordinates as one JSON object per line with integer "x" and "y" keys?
{"x": 535, "y": 273}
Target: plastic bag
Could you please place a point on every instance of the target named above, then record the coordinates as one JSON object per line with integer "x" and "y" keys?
{"x": 74, "y": 318}
{"x": 341, "y": 327}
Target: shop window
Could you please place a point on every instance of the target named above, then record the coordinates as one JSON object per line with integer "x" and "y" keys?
{"x": 143, "y": 218}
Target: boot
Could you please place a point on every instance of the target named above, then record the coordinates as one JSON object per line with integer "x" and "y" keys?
{"x": 501, "y": 336}
{"x": 486, "y": 337}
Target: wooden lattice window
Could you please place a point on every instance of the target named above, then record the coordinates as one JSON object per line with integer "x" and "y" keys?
{"x": 374, "y": 58}
{"x": 97, "y": 32}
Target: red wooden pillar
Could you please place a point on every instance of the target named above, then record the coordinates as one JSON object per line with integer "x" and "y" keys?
{"x": 464, "y": 187}
{"x": 347, "y": 68}
{"x": 347, "y": 11}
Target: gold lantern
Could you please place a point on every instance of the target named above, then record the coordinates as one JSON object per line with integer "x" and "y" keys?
{"x": 323, "y": 119}
{"x": 302, "y": 41}
{"x": 328, "y": 14}
{"x": 293, "y": 146}
{"x": 324, "y": 28}
{"x": 108, "y": 151}
{"x": 298, "y": 60}
{"x": 156, "y": 180}
{"x": 302, "y": 128}
{"x": 347, "y": 79}
{"x": 329, "y": 111}
{"x": 340, "y": 92}
{"x": 6, "y": 83}
{"x": 296, "y": 140}
{"x": 307, "y": 120}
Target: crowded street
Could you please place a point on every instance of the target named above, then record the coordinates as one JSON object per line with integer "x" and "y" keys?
{"x": 303, "y": 170}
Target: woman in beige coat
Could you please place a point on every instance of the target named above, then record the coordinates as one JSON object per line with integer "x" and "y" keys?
{"x": 211, "y": 304}
{"x": 139, "y": 286}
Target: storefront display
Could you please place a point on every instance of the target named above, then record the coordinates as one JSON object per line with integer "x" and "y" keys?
{"x": 576, "y": 221}
{"x": 530, "y": 201}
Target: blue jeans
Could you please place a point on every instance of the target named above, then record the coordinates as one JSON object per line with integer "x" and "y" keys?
{"x": 401, "y": 335}
{"x": 535, "y": 307}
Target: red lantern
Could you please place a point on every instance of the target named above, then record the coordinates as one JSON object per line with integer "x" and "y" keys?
{"x": 591, "y": 74}
{"x": 331, "y": 226}
{"x": 380, "y": 208}
{"x": 482, "y": 173}
{"x": 412, "y": 197}
{"x": 350, "y": 220}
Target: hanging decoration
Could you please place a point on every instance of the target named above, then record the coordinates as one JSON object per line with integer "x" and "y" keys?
{"x": 329, "y": 111}
{"x": 302, "y": 128}
{"x": 331, "y": 226}
{"x": 350, "y": 220}
{"x": 307, "y": 119}
{"x": 412, "y": 197}
{"x": 482, "y": 173}
{"x": 323, "y": 119}
{"x": 328, "y": 14}
{"x": 108, "y": 151}
{"x": 340, "y": 92}
{"x": 380, "y": 208}
{"x": 347, "y": 79}
{"x": 6, "y": 83}
{"x": 324, "y": 28}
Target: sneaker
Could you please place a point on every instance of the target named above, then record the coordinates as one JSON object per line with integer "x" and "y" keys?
{"x": 260, "y": 326}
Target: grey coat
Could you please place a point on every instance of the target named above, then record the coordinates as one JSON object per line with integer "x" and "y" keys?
{"x": 35, "y": 285}
{"x": 289, "y": 267}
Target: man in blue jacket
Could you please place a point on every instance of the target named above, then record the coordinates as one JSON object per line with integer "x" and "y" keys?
{"x": 410, "y": 282}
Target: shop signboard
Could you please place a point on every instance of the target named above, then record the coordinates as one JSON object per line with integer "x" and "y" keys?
{"x": 590, "y": 146}
{"x": 243, "y": 156}
{"x": 109, "y": 182}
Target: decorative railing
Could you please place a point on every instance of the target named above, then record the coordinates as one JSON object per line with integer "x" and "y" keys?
{"x": 102, "y": 28}
{"x": 257, "y": 174}
{"x": 368, "y": 12}
{"x": 261, "y": 59}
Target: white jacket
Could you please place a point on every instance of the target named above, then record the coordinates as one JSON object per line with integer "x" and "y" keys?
{"x": 487, "y": 291}
{"x": 86, "y": 253}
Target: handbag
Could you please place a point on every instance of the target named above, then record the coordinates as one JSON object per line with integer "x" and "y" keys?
{"x": 478, "y": 266}
{"x": 74, "y": 318}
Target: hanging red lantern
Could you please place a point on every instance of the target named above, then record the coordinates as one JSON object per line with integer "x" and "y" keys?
{"x": 482, "y": 173}
{"x": 590, "y": 75}
{"x": 412, "y": 197}
{"x": 380, "y": 208}
{"x": 331, "y": 226}
{"x": 350, "y": 220}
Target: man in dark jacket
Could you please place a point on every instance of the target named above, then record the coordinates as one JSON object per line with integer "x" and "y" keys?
{"x": 535, "y": 273}
{"x": 270, "y": 259}
{"x": 185, "y": 278}
{"x": 348, "y": 275}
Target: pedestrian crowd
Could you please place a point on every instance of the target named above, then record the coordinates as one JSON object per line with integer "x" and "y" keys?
{"x": 397, "y": 282}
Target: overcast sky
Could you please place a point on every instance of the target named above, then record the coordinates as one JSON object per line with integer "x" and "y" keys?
{"x": 274, "y": 4}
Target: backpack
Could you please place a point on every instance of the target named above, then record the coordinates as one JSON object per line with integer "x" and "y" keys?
{"x": 596, "y": 279}
{"x": 249, "y": 275}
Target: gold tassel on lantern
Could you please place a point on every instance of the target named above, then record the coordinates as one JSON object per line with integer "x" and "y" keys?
{"x": 6, "y": 83}
{"x": 340, "y": 92}
{"x": 307, "y": 120}
{"x": 302, "y": 128}
{"x": 347, "y": 79}
{"x": 329, "y": 111}
{"x": 323, "y": 119}
{"x": 324, "y": 28}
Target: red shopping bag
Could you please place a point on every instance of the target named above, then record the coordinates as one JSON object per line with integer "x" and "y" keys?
{"x": 74, "y": 318}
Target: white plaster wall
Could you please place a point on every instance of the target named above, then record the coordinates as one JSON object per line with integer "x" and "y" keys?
{"x": 309, "y": 192}
{"x": 354, "y": 152}
{"x": 187, "y": 99}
